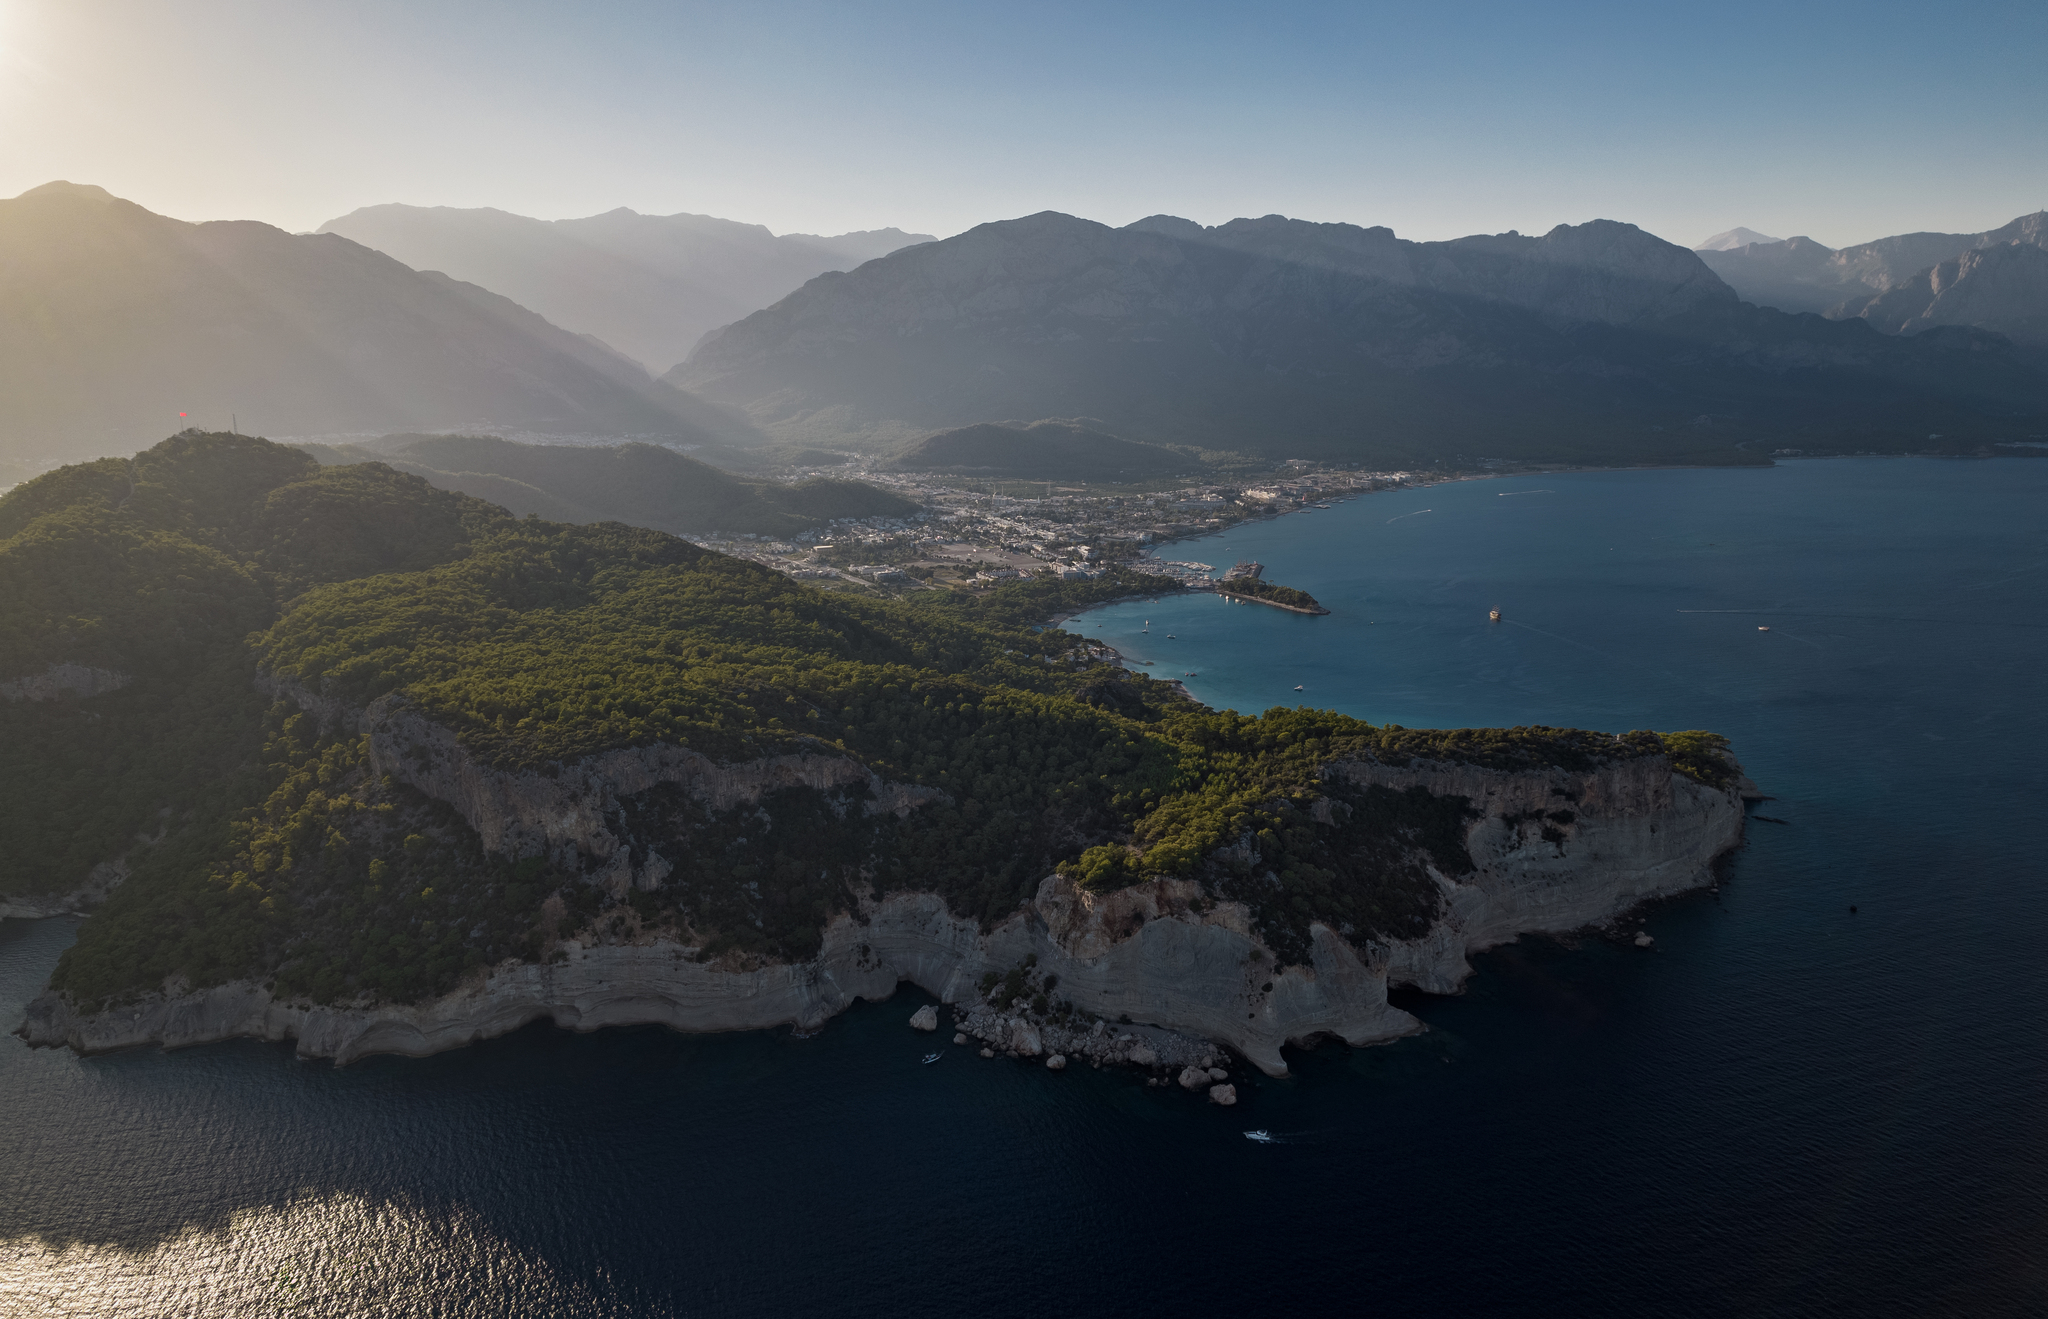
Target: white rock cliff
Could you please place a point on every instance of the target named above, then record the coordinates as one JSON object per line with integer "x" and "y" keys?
{"x": 1154, "y": 954}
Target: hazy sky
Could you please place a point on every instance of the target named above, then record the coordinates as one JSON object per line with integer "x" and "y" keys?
{"x": 1841, "y": 121}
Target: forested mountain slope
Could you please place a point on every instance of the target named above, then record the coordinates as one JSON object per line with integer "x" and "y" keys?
{"x": 356, "y": 737}
{"x": 1284, "y": 338}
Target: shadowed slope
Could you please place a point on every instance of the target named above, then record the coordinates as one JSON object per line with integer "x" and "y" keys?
{"x": 114, "y": 321}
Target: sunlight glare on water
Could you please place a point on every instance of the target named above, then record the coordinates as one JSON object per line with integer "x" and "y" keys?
{"x": 338, "y": 1256}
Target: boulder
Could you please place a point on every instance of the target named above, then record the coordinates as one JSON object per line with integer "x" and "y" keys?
{"x": 959, "y": 1039}
{"x": 925, "y": 1018}
{"x": 1193, "y": 1078}
{"x": 1218, "y": 1074}
{"x": 988, "y": 1053}
{"x": 1056, "y": 1063}
{"x": 1225, "y": 1095}
{"x": 1143, "y": 1056}
{"x": 1644, "y": 941}
{"x": 1024, "y": 1039}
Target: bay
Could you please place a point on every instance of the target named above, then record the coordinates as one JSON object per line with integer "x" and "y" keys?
{"x": 1786, "y": 1108}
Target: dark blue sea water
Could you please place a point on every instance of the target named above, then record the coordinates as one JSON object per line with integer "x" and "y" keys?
{"x": 1786, "y": 1109}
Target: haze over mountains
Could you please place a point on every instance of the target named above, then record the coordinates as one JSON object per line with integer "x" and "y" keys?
{"x": 1798, "y": 274}
{"x": 1270, "y": 338}
{"x": 118, "y": 325}
{"x": 650, "y": 286}
{"x": 2002, "y": 288}
{"x": 1284, "y": 337}
{"x": 1736, "y": 237}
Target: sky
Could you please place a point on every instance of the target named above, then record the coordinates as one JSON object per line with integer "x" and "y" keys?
{"x": 1843, "y": 122}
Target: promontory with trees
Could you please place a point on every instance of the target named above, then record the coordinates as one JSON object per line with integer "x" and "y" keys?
{"x": 195, "y": 644}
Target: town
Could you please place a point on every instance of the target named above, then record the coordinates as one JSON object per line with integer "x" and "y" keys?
{"x": 974, "y": 534}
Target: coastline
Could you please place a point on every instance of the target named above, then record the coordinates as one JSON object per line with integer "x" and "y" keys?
{"x": 1157, "y": 954}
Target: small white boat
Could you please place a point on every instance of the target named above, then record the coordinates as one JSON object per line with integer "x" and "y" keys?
{"x": 1262, "y": 1136}
{"x": 930, "y": 1058}
{"x": 1297, "y": 687}
{"x": 1763, "y": 629}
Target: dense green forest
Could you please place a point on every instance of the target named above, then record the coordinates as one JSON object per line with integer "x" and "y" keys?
{"x": 263, "y": 845}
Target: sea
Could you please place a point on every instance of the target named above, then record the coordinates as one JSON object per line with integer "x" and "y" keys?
{"x": 1823, "y": 1090}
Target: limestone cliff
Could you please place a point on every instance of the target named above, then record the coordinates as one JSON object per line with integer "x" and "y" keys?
{"x": 1550, "y": 850}
{"x": 575, "y": 808}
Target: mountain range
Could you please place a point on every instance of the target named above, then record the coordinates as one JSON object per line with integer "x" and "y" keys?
{"x": 1278, "y": 336}
{"x": 1262, "y": 337}
{"x": 117, "y": 324}
{"x": 2003, "y": 288}
{"x": 649, "y": 286}
{"x": 1798, "y": 274}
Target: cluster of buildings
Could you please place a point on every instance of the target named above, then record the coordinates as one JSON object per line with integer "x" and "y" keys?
{"x": 973, "y": 534}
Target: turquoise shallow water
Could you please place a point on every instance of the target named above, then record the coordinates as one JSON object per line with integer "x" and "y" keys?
{"x": 1785, "y": 1109}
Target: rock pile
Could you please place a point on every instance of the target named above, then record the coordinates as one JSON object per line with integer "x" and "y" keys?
{"x": 1017, "y": 1034}
{"x": 1033, "y": 1024}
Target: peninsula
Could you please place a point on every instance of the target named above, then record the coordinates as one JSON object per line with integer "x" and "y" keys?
{"x": 411, "y": 772}
{"x": 1258, "y": 591}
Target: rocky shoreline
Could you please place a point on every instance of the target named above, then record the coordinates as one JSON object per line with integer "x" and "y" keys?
{"x": 1156, "y": 960}
{"x": 1195, "y": 1064}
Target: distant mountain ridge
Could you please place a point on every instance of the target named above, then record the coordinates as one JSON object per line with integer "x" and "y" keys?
{"x": 1798, "y": 274}
{"x": 650, "y": 286}
{"x": 1278, "y": 336}
{"x": 1739, "y": 236}
{"x": 2004, "y": 288}
{"x": 114, "y": 321}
